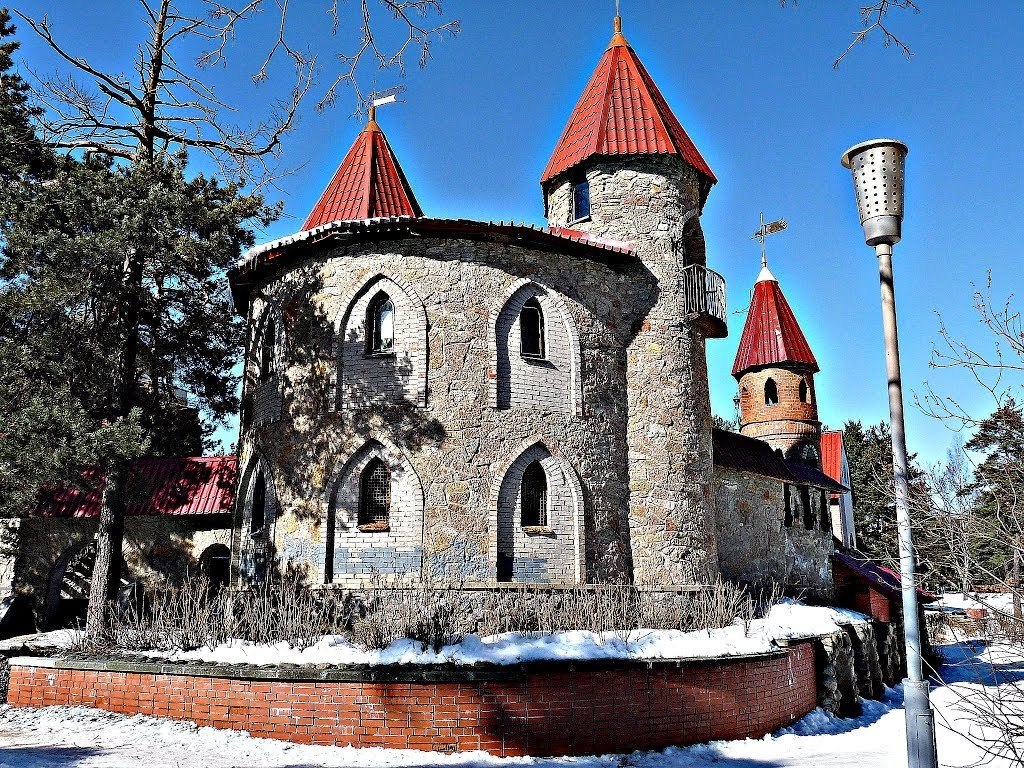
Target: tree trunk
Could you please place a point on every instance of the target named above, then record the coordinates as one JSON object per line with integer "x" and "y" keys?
{"x": 106, "y": 572}
{"x": 1016, "y": 581}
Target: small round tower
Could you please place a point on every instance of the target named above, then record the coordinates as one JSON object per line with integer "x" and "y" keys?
{"x": 775, "y": 369}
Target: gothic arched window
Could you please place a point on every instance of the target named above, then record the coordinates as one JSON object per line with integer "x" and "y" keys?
{"x": 580, "y": 198}
{"x": 805, "y": 394}
{"x": 258, "y": 511}
{"x": 534, "y": 496}
{"x": 375, "y": 494}
{"x": 380, "y": 324}
{"x": 771, "y": 392}
{"x": 531, "y": 329}
{"x": 267, "y": 350}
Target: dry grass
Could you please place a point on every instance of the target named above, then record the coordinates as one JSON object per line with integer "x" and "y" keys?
{"x": 289, "y": 612}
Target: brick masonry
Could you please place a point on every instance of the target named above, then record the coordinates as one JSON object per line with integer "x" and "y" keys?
{"x": 539, "y": 709}
{"x": 789, "y": 422}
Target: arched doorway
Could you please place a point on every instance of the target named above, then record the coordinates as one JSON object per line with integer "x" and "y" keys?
{"x": 215, "y": 565}
{"x": 67, "y": 598}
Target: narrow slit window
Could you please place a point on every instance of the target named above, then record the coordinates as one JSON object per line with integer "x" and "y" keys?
{"x": 771, "y": 392}
{"x": 805, "y": 395}
{"x": 258, "y": 511}
{"x": 580, "y": 199}
{"x": 534, "y": 496}
{"x": 788, "y": 499}
{"x": 805, "y": 502}
{"x": 531, "y": 329}
{"x": 826, "y": 522}
{"x": 267, "y": 350}
{"x": 381, "y": 323}
{"x": 375, "y": 494}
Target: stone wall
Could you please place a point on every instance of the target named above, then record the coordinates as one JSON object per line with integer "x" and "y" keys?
{"x": 756, "y": 546}
{"x": 456, "y": 439}
{"x": 653, "y": 202}
{"x": 157, "y": 550}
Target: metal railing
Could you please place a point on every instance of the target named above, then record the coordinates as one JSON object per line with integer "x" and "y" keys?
{"x": 703, "y": 292}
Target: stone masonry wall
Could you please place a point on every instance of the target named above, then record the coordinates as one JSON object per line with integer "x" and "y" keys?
{"x": 755, "y": 545}
{"x": 157, "y": 550}
{"x": 653, "y": 202}
{"x": 458, "y": 444}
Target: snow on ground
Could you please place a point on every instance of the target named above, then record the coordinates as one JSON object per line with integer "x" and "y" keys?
{"x": 993, "y": 601}
{"x": 786, "y": 620}
{"x": 87, "y": 738}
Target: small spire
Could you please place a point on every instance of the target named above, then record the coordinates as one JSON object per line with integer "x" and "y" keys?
{"x": 617, "y": 38}
{"x": 765, "y": 274}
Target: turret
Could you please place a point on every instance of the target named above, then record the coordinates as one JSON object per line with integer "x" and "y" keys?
{"x": 625, "y": 169}
{"x": 775, "y": 370}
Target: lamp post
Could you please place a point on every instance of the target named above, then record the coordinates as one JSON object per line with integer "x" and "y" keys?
{"x": 877, "y": 167}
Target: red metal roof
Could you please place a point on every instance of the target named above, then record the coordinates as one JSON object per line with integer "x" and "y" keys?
{"x": 622, "y": 112}
{"x": 203, "y": 485}
{"x": 771, "y": 335}
{"x": 832, "y": 454}
{"x": 731, "y": 450}
{"x": 368, "y": 184}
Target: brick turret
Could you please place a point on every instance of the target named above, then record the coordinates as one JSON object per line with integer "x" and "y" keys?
{"x": 775, "y": 369}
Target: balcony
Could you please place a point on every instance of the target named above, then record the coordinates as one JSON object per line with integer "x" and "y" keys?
{"x": 702, "y": 292}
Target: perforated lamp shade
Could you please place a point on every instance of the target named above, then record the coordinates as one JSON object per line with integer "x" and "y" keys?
{"x": 877, "y": 167}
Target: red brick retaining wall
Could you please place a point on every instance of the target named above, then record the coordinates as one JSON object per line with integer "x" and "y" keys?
{"x": 536, "y": 708}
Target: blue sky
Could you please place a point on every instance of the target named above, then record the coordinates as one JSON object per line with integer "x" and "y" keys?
{"x": 754, "y": 86}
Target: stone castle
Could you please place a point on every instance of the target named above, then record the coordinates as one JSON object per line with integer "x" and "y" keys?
{"x": 480, "y": 402}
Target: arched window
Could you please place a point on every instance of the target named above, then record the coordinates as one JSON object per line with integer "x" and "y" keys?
{"x": 380, "y": 324}
{"x": 771, "y": 392}
{"x": 258, "y": 513}
{"x": 267, "y": 350}
{"x": 215, "y": 565}
{"x": 805, "y": 394}
{"x": 375, "y": 494}
{"x": 580, "y": 198}
{"x": 788, "y": 499}
{"x": 534, "y": 496}
{"x": 531, "y": 329}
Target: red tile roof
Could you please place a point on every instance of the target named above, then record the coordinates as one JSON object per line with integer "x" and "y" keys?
{"x": 368, "y": 184}
{"x": 622, "y": 112}
{"x": 771, "y": 335}
{"x": 203, "y": 485}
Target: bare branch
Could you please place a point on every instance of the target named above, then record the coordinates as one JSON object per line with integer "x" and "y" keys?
{"x": 873, "y": 18}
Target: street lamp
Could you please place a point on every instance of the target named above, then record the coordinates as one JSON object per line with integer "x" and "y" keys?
{"x": 877, "y": 167}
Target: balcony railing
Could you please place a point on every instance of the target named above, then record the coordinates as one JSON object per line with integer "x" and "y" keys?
{"x": 703, "y": 300}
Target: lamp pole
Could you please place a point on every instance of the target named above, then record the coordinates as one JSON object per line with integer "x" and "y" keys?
{"x": 878, "y": 181}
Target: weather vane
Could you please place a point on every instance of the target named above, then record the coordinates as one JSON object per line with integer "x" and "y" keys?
{"x": 764, "y": 231}
{"x": 379, "y": 98}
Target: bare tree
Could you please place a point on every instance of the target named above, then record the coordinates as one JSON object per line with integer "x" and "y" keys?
{"x": 164, "y": 106}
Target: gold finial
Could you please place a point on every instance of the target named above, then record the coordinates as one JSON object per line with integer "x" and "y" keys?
{"x": 618, "y": 25}
{"x": 617, "y": 38}
{"x": 371, "y": 114}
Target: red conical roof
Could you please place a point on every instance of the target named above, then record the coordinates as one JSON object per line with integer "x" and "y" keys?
{"x": 771, "y": 335}
{"x": 368, "y": 184}
{"x": 622, "y": 112}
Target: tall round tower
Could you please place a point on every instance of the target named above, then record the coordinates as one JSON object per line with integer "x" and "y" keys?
{"x": 625, "y": 169}
{"x": 775, "y": 369}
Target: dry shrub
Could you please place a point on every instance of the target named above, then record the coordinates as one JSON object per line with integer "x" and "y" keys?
{"x": 291, "y": 612}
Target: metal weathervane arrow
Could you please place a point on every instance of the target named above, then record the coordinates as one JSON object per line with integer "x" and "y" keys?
{"x": 764, "y": 231}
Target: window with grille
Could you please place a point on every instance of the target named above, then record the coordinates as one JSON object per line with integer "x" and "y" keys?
{"x": 267, "y": 350}
{"x": 580, "y": 199}
{"x": 258, "y": 511}
{"x": 534, "y": 496}
{"x": 375, "y": 494}
{"x": 531, "y": 329}
{"x": 380, "y": 321}
{"x": 771, "y": 392}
